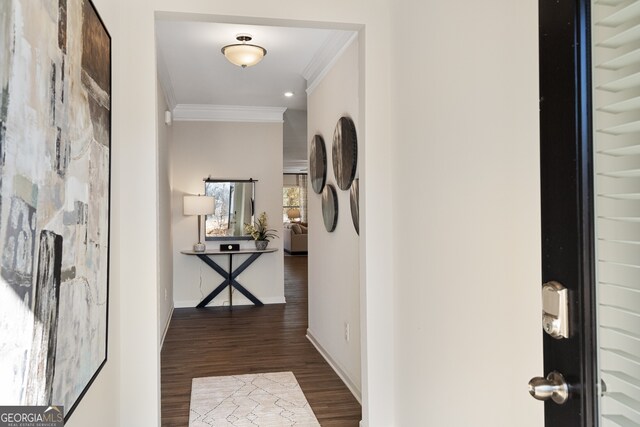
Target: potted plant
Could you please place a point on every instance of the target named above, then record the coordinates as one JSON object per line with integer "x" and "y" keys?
{"x": 260, "y": 232}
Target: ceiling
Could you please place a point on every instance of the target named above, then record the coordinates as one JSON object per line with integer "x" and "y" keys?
{"x": 193, "y": 70}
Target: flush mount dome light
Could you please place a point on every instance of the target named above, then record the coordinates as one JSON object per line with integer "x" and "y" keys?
{"x": 244, "y": 55}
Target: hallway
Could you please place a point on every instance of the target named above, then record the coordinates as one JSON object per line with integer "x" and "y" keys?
{"x": 215, "y": 341}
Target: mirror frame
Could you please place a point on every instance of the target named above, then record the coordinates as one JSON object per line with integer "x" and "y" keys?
{"x": 252, "y": 206}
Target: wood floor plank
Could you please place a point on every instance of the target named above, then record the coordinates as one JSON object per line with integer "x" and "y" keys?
{"x": 215, "y": 341}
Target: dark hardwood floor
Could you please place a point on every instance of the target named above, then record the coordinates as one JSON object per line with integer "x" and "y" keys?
{"x": 214, "y": 341}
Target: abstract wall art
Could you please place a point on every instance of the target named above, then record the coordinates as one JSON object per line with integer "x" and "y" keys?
{"x": 55, "y": 142}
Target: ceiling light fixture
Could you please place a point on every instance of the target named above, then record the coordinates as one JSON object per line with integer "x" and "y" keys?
{"x": 244, "y": 55}
{"x": 288, "y": 94}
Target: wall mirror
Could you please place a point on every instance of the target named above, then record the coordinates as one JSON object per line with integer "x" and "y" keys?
{"x": 234, "y": 207}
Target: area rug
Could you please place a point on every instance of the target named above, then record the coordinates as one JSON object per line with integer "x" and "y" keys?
{"x": 270, "y": 399}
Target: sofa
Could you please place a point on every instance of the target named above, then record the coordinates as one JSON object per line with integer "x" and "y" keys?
{"x": 295, "y": 238}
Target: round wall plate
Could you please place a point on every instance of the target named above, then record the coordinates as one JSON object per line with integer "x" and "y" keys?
{"x": 330, "y": 207}
{"x": 355, "y": 204}
{"x": 345, "y": 152}
{"x": 317, "y": 163}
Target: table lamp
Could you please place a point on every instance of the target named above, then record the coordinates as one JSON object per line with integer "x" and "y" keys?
{"x": 199, "y": 205}
{"x": 293, "y": 214}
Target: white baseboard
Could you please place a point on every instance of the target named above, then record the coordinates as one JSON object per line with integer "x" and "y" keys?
{"x": 238, "y": 300}
{"x": 166, "y": 328}
{"x": 336, "y": 367}
{"x": 363, "y": 424}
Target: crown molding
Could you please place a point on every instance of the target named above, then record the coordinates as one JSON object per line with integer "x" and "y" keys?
{"x": 295, "y": 166}
{"x": 227, "y": 113}
{"x": 327, "y": 57}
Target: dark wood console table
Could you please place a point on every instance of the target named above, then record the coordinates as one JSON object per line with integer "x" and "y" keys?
{"x": 229, "y": 275}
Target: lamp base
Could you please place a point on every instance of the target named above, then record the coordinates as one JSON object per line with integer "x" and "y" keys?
{"x": 199, "y": 247}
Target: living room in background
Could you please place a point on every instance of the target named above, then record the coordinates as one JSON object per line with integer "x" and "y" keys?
{"x": 294, "y": 213}
{"x": 294, "y": 197}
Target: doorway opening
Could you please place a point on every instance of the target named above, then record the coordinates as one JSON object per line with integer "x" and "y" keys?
{"x": 216, "y": 120}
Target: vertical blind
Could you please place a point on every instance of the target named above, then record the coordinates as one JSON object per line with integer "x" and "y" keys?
{"x": 616, "y": 96}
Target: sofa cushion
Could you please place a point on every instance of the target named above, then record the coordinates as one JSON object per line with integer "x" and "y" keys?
{"x": 296, "y": 229}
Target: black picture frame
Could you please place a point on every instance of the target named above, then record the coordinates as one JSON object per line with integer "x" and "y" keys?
{"x": 59, "y": 201}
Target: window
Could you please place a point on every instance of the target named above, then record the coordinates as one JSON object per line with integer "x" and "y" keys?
{"x": 294, "y": 198}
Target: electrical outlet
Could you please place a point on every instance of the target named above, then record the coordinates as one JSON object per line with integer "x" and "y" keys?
{"x": 166, "y": 294}
{"x": 347, "y": 332}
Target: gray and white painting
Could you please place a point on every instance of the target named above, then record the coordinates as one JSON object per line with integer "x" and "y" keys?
{"x": 55, "y": 97}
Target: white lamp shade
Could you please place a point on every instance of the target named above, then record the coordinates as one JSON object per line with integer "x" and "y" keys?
{"x": 244, "y": 55}
{"x": 199, "y": 205}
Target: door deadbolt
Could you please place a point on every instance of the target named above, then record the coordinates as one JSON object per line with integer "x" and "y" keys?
{"x": 555, "y": 310}
{"x": 553, "y": 387}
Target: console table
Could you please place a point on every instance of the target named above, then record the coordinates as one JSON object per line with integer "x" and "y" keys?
{"x": 229, "y": 275}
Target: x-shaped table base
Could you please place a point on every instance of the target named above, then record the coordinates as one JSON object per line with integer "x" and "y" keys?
{"x": 229, "y": 279}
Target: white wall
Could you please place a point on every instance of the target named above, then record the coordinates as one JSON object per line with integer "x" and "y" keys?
{"x": 334, "y": 258}
{"x": 165, "y": 242}
{"x": 136, "y": 160}
{"x": 226, "y": 150}
{"x": 295, "y": 137}
{"x": 467, "y": 268}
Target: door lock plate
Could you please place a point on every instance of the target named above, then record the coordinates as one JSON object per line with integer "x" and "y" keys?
{"x": 555, "y": 310}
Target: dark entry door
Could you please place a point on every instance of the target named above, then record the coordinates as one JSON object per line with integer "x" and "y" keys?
{"x": 590, "y": 194}
{"x": 567, "y": 202}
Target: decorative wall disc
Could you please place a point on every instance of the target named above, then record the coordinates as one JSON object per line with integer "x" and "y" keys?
{"x": 345, "y": 152}
{"x": 355, "y": 204}
{"x": 330, "y": 207}
{"x": 318, "y": 164}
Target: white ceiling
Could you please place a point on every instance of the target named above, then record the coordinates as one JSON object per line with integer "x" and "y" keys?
{"x": 193, "y": 70}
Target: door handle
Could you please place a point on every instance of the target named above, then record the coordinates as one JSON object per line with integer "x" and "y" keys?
{"x": 553, "y": 387}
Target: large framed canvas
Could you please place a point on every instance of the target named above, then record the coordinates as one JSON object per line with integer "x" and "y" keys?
{"x": 55, "y": 142}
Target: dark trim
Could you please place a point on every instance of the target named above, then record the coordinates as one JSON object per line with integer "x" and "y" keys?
{"x": 587, "y": 243}
{"x": 296, "y": 252}
{"x": 566, "y": 153}
{"x": 209, "y": 179}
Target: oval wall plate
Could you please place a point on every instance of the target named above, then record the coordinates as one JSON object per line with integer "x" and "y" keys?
{"x": 345, "y": 152}
{"x": 317, "y": 163}
{"x": 355, "y": 204}
{"x": 330, "y": 207}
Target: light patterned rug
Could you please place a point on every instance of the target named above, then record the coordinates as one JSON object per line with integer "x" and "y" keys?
{"x": 271, "y": 399}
